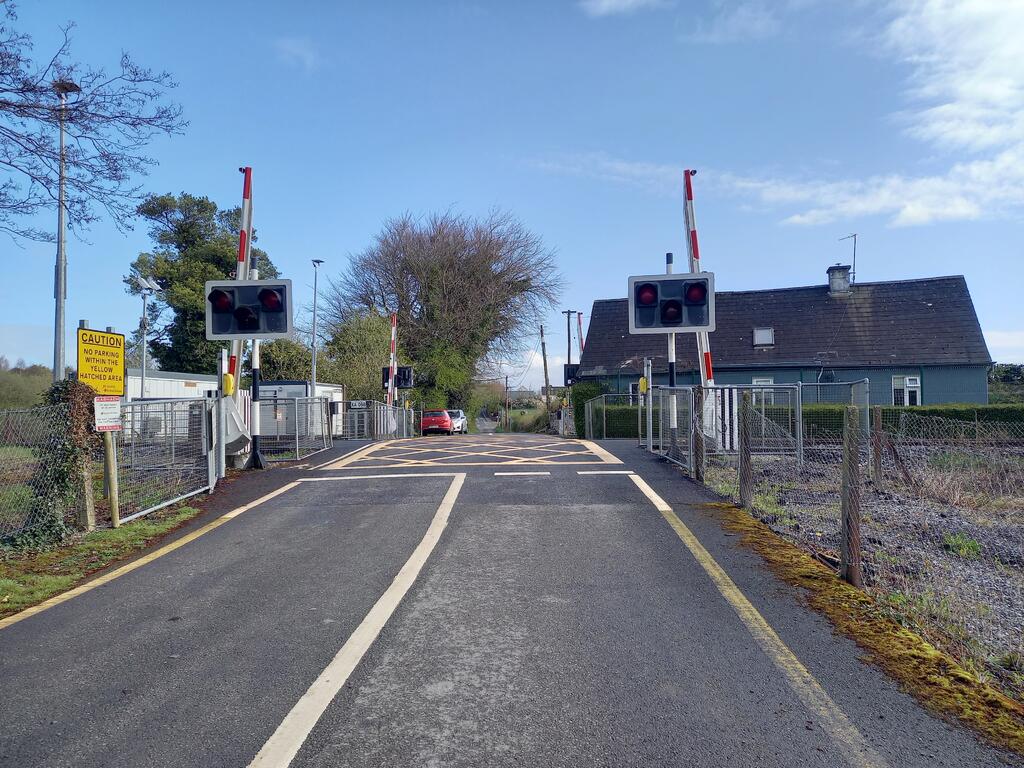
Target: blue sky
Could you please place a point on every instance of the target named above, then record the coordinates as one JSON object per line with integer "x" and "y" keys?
{"x": 901, "y": 120}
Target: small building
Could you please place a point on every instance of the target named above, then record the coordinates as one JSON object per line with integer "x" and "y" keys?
{"x": 918, "y": 342}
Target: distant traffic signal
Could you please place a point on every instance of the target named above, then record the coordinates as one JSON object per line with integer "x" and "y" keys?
{"x": 248, "y": 309}
{"x": 404, "y": 378}
{"x": 672, "y": 303}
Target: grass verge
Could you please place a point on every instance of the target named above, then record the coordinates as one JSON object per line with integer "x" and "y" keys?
{"x": 932, "y": 677}
{"x": 27, "y": 578}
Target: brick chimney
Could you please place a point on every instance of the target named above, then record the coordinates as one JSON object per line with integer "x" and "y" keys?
{"x": 839, "y": 280}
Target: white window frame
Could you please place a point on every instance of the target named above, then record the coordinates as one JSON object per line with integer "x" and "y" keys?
{"x": 770, "y": 334}
{"x": 909, "y": 389}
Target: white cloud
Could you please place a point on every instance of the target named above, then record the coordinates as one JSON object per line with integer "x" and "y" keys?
{"x": 617, "y": 7}
{"x": 298, "y": 52}
{"x": 735, "y": 23}
{"x": 1006, "y": 346}
{"x": 965, "y": 100}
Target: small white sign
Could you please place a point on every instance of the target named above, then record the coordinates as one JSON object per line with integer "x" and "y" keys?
{"x": 357, "y": 405}
{"x": 108, "y": 413}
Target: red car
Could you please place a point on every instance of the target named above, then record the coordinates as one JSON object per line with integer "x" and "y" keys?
{"x": 436, "y": 421}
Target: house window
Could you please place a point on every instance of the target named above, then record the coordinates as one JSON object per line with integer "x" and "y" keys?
{"x": 764, "y": 337}
{"x": 906, "y": 390}
{"x": 764, "y": 396}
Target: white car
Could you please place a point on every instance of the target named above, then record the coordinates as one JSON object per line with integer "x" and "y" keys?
{"x": 460, "y": 425}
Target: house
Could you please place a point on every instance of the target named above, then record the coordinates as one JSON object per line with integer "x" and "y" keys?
{"x": 917, "y": 341}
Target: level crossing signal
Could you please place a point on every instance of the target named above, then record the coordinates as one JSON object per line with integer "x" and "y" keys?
{"x": 248, "y": 309}
{"x": 683, "y": 303}
{"x": 403, "y": 377}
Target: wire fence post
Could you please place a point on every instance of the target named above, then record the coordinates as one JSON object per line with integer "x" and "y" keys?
{"x": 110, "y": 470}
{"x": 746, "y": 470}
{"x": 87, "y": 512}
{"x": 876, "y": 444}
{"x": 850, "y": 563}
{"x": 697, "y": 430}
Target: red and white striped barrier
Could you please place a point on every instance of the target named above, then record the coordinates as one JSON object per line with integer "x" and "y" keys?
{"x": 707, "y": 372}
{"x": 242, "y": 266}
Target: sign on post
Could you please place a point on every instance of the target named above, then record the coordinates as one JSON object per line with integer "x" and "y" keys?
{"x": 101, "y": 361}
{"x": 108, "y": 413}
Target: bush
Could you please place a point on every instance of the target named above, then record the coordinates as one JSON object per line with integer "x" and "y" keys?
{"x": 585, "y": 390}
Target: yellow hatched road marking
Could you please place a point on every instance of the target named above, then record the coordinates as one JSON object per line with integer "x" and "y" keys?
{"x": 857, "y": 751}
{"x": 406, "y": 454}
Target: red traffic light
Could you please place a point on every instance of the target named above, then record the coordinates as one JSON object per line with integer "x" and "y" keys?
{"x": 696, "y": 293}
{"x": 646, "y": 294}
{"x": 270, "y": 300}
{"x": 221, "y": 301}
{"x": 671, "y": 312}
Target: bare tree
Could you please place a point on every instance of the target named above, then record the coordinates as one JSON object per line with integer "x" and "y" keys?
{"x": 109, "y": 118}
{"x": 468, "y": 292}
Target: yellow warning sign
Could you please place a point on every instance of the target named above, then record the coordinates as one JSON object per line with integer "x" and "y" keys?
{"x": 101, "y": 361}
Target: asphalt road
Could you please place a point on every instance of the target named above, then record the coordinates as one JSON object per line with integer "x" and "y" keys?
{"x": 427, "y": 603}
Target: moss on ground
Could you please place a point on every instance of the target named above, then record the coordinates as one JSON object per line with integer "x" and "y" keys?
{"x": 933, "y": 677}
{"x": 27, "y": 578}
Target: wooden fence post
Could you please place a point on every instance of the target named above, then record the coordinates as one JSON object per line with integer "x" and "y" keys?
{"x": 876, "y": 444}
{"x": 850, "y": 561}
{"x": 746, "y": 470}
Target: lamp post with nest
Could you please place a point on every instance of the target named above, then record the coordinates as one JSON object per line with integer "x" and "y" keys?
{"x": 60, "y": 277}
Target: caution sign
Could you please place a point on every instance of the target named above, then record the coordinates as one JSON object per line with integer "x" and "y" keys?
{"x": 101, "y": 361}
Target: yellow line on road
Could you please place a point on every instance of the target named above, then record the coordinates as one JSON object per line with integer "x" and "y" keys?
{"x": 344, "y": 461}
{"x": 855, "y": 748}
{"x": 144, "y": 560}
{"x": 290, "y": 735}
{"x": 597, "y": 450}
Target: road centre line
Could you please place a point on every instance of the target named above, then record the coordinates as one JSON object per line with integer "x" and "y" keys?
{"x": 856, "y": 750}
{"x": 518, "y": 474}
{"x": 284, "y": 744}
{"x": 144, "y": 560}
{"x": 604, "y": 471}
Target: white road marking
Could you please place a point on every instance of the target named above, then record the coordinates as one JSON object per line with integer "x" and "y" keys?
{"x": 378, "y": 477}
{"x": 518, "y": 474}
{"x": 284, "y": 744}
{"x": 604, "y": 472}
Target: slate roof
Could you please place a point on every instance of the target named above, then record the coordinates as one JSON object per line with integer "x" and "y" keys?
{"x": 908, "y": 322}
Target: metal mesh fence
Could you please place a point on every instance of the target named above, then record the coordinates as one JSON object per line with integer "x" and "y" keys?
{"x": 163, "y": 453}
{"x": 943, "y": 533}
{"x": 25, "y": 436}
{"x": 613, "y": 416}
{"x": 373, "y": 420}
{"x": 672, "y": 423}
{"x": 292, "y": 428}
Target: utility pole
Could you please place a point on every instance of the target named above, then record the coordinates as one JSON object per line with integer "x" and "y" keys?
{"x": 568, "y": 334}
{"x": 316, "y": 274}
{"x": 547, "y": 383}
{"x": 148, "y": 287}
{"x": 853, "y": 274}
{"x": 60, "y": 276}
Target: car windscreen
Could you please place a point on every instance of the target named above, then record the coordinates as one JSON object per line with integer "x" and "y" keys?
{"x": 454, "y": 414}
{"x": 433, "y": 414}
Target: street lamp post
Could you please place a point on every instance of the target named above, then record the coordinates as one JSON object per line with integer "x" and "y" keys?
{"x": 316, "y": 273}
{"x": 60, "y": 278}
{"x": 148, "y": 288}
